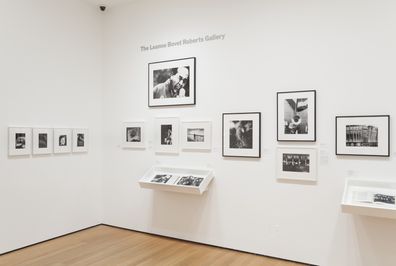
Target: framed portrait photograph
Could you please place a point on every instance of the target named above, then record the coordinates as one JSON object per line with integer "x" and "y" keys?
{"x": 196, "y": 135}
{"x": 296, "y": 116}
{"x": 363, "y": 135}
{"x": 297, "y": 163}
{"x": 43, "y": 141}
{"x": 171, "y": 82}
{"x": 80, "y": 140}
{"x": 167, "y": 135}
{"x": 62, "y": 140}
{"x": 242, "y": 134}
{"x": 133, "y": 134}
{"x": 19, "y": 141}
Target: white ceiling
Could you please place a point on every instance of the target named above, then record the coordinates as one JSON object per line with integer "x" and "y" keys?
{"x": 107, "y": 3}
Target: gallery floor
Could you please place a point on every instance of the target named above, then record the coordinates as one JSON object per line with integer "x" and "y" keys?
{"x": 105, "y": 245}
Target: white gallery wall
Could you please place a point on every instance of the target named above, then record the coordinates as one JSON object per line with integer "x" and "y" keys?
{"x": 51, "y": 76}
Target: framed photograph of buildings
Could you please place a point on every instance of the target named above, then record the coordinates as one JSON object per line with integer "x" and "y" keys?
{"x": 167, "y": 135}
{"x": 296, "y": 116}
{"x": 196, "y": 135}
{"x": 297, "y": 163}
{"x": 242, "y": 134}
{"x": 62, "y": 140}
{"x": 171, "y": 82}
{"x": 363, "y": 135}
{"x": 80, "y": 140}
{"x": 133, "y": 135}
{"x": 43, "y": 140}
{"x": 19, "y": 141}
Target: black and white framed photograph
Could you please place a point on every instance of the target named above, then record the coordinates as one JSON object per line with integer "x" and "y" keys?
{"x": 42, "y": 141}
{"x": 171, "y": 82}
{"x": 196, "y": 135}
{"x": 167, "y": 135}
{"x": 192, "y": 181}
{"x": 296, "y": 116}
{"x": 80, "y": 140}
{"x": 19, "y": 141}
{"x": 62, "y": 140}
{"x": 297, "y": 163}
{"x": 242, "y": 134}
{"x": 133, "y": 134}
{"x": 363, "y": 135}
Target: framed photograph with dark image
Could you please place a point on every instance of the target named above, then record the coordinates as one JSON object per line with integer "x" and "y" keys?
{"x": 242, "y": 134}
{"x": 167, "y": 135}
{"x": 296, "y": 116}
{"x": 80, "y": 140}
{"x": 298, "y": 163}
{"x": 133, "y": 134}
{"x": 42, "y": 140}
{"x": 363, "y": 135}
{"x": 196, "y": 135}
{"x": 19, "y": 141}
{"x": 171, "y": 82}
{"x": 62, "y": 140}
{"x": 192, "y": 181}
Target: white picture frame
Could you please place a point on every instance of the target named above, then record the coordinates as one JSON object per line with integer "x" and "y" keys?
{"x": 80, "y": 140}
{"x": 43, "y": 141}
{"x": 19, "y": 141}
{"x": 62, "y": 140}
{"x": 134, "y": 135}
{"x": 196, "y": 135}
{"x": 167, "y": 135}
{"x": 297, "y": 163}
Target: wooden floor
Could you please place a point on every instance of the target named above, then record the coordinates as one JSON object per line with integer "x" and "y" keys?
{"x": 108, "y": 246}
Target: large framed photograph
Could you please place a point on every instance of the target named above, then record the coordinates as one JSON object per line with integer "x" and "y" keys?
{"x": 42, "y": 141}
{"x": 363, "y": 135}
{"x": 196, "y": 135}
{"x": 296, "y": 116}
{"x": 297, "y": 163}
{"x": 167, "y": 135}
{"x": 62, "y": 140}
{"x": 242, "y": 134}
{"x": 171, "y": 82}
{"x": 19, "y": 141}
{"x": 133, "y": 134}
{"x": 80, "y": 140}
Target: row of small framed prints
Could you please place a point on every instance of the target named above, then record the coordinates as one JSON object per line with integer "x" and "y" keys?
{"x": 38, "y": 141}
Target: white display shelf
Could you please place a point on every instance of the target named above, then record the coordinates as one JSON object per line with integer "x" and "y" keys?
{"x": 370, "y": 198}
{"x": 184, "y": 180}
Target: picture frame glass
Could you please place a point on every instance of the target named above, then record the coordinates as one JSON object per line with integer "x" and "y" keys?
{"x": 297, "y": 163}
{"x": 133, "y": 134}
{"x": 167, "y": 135}
{"x": 19, "y": 141}
{"x": 196, "y": 135}
{"x": 62, "y": 140}
{"x": 42, "y": 140}
{"x": 80, "y": 140}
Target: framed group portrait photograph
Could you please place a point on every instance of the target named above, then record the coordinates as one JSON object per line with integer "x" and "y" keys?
{"x": 172, "y": 82}
{"x": 296, "y": 116}
{"x": 80, "y": 140}
{"x": 133, "y": 134}
{"x": 363, "y": 135}
{"x": 62, "y": 140}
{"x": 297, "y": 163}
{"x": 19, "y": 141}
{"x": 196, "y": 135}
{"x": 242, "y": 134}
{"x": 42, "y": 141}
{"x": 167, "y": 135}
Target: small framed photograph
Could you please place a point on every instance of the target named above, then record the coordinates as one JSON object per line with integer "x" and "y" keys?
{"x": 296, "y": 116}
{"x": 43, "y": 140}
{"x": 19, "y": 141}
{"x": 171, "y": 82}
{"x": 62, "y": 140}
{"x": 167, "y": 135}
{"x": 242, "y": 134}
{"x": 196, "y": 135}
{"x": 363, "y": 135}
{"x": 297, "y": 163}
{"x": 80, "y": 140}
{"x": 133, "y": 135}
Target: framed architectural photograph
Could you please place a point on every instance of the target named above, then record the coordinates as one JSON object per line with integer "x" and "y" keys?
{"x": 80, "y": 140}
{"x": 242, "y": 134}
{"x": 43, "y": 140}
{"x": 19, "y": 141}
{"x": 62, "y": 140}
{"x": 297, "y": 163}
{"x": 167, "y": 135}
{"x": 363, "y": 135}
{"x": 196, "y": 135}
{"x": 171, "y": 82}
{"x": 133, "y": 134}
{"x": 296, "y": 116}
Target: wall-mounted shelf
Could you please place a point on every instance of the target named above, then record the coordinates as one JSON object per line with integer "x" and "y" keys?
{"x": 370, "y": 198}
{"x": 184, "y": 180}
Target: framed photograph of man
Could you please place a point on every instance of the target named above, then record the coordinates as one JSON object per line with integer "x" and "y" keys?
{"x": 196, "y": 135}
{"x": 363, "y": 135}
{"x": 133, "y": 134}
{"x": 298, "y": 163}
{"x": 242, "y": 134}
{"x": 80, "y": 140}
{"x": 62, "y": 140}
{"x": 19, "y": 141}
{"x": 296, "y": 116}
{"x": 167, "y": 135}
{"x": 43, "y": 141}
{"x": 171, "y": 82}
